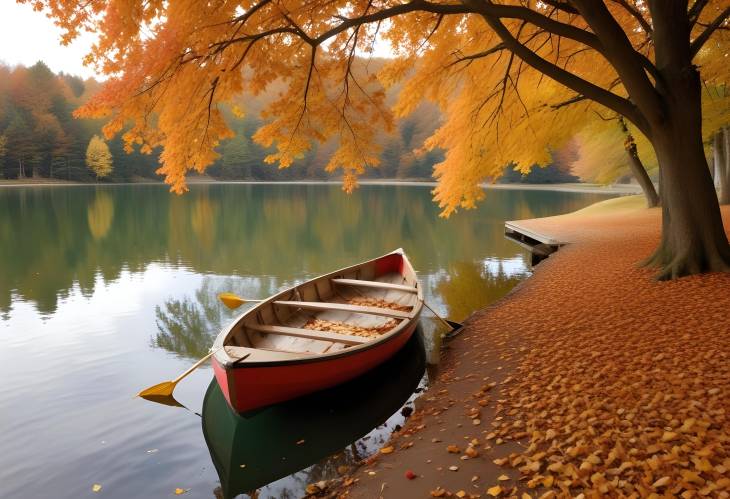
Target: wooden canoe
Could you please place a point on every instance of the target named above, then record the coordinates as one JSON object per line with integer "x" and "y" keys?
{"x": 318, "y": 334}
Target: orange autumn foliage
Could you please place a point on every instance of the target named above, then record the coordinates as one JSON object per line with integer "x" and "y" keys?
{"x": 170, "y": 64}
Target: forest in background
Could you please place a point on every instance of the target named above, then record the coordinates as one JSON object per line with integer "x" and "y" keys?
{"x": 40, "y": 138}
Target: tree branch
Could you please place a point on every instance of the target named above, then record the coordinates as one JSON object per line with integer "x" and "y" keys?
{"x": 478, "y": 55}
{"x": 698, "y": 42}
{"x": 565, "y": 7}
{"x": 612, "y": 101}
{"x": 694, "y": 12}
{"x": 636, "y": 15}
{"x": 624, "y": 58}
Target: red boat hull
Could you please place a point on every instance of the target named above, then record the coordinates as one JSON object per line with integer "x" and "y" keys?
{"x": 250, "y": 386}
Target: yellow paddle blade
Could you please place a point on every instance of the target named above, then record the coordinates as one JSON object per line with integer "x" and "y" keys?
{"x": 230, "y": 300}
{"x": 163, "y": 389}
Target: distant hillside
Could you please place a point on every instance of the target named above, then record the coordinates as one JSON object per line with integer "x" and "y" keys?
{"x": 39, "y": 137}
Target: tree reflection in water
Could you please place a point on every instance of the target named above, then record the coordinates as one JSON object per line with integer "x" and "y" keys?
{"x": 52, "y": 239}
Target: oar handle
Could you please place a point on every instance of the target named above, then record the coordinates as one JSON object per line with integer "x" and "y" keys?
{"x": 195, "y": 366}
{"x": 438, "y": 316}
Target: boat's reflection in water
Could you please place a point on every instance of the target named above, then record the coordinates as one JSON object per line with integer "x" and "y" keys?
{"x": 343, "y": 423}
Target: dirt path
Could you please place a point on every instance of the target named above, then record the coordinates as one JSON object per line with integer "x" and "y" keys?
{"x": 589, "y": 378}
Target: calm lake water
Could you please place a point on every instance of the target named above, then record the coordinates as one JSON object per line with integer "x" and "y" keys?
{"x": 107, "y": 290}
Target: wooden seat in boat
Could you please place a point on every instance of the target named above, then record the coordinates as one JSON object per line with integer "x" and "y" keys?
{"x": 345, "y": 307}
{"x": 312, "y": 334}
{"x": 375, "y": 284}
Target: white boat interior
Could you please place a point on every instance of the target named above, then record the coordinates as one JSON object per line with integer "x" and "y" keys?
{"x": 346, "y": 309}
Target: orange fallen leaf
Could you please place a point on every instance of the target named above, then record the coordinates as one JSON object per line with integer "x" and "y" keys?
{"x": 179, "y": 491}
{"x": 495, "y": 491}
{"x": 438, "y": 492}
{"x": 453, "y": 449}
{"x": 662, "y": 482}
{"x": 387, "y": 450}
{"x": 668, "y": 436}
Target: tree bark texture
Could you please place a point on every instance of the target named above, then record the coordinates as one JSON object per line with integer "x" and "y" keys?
{"x": 721, "y": 146}
{"x": 693, "y": 238}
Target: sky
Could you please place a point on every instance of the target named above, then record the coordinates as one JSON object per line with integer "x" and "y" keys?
{"x": 27, "y": 37}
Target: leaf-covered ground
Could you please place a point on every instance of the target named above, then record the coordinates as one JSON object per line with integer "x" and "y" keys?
{"x": 591, "y": 379}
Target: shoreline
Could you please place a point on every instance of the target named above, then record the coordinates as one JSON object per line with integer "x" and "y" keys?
{"x": 620, "y": 189}
{"x": 546, "y": 392}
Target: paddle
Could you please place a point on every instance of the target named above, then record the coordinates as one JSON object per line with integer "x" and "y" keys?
{"x": 166, "y": 388}
{"x": 454, "y": 327}
{"x": 233, "y": 301}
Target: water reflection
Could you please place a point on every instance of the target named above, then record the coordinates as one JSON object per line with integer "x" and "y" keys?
{"x": 117, "y": 285}
{"x": 249, "y": 453}
{"x": 243, "y": 230}
{"x": 188, "y": 326}
{"x": 469, "y": 286}
{"x": 100, "y": 214}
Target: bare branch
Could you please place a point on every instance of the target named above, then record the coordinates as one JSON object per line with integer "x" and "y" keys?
{"x": 698, "y": 42}
{"x": 694, "y": 12}
{"x": 592, "y": 91}
{"x": 636, "y": 15}
{"x": 478, "y": 55}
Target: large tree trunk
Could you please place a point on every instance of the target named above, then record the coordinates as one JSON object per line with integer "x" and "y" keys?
{"x": 693, "y": 238}
{"x": 722, "y": 163}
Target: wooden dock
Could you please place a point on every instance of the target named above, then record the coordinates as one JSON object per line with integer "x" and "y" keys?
{"x": 539, "y": 245}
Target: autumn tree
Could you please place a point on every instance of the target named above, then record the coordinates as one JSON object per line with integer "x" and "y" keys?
{"x": 609, "y": 148}
{"x": 98, "y": 157}
{"x": 170, "y": 64}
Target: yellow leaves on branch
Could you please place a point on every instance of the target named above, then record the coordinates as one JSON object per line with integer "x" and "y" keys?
{"x": 171, "y": 64}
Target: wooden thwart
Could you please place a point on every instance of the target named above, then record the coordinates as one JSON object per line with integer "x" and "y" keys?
{"x": 375, "y": 284}
{"x": 241, "y": 353}
{"x": 344, "y": 307}
{"x": 311, "y": 334}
